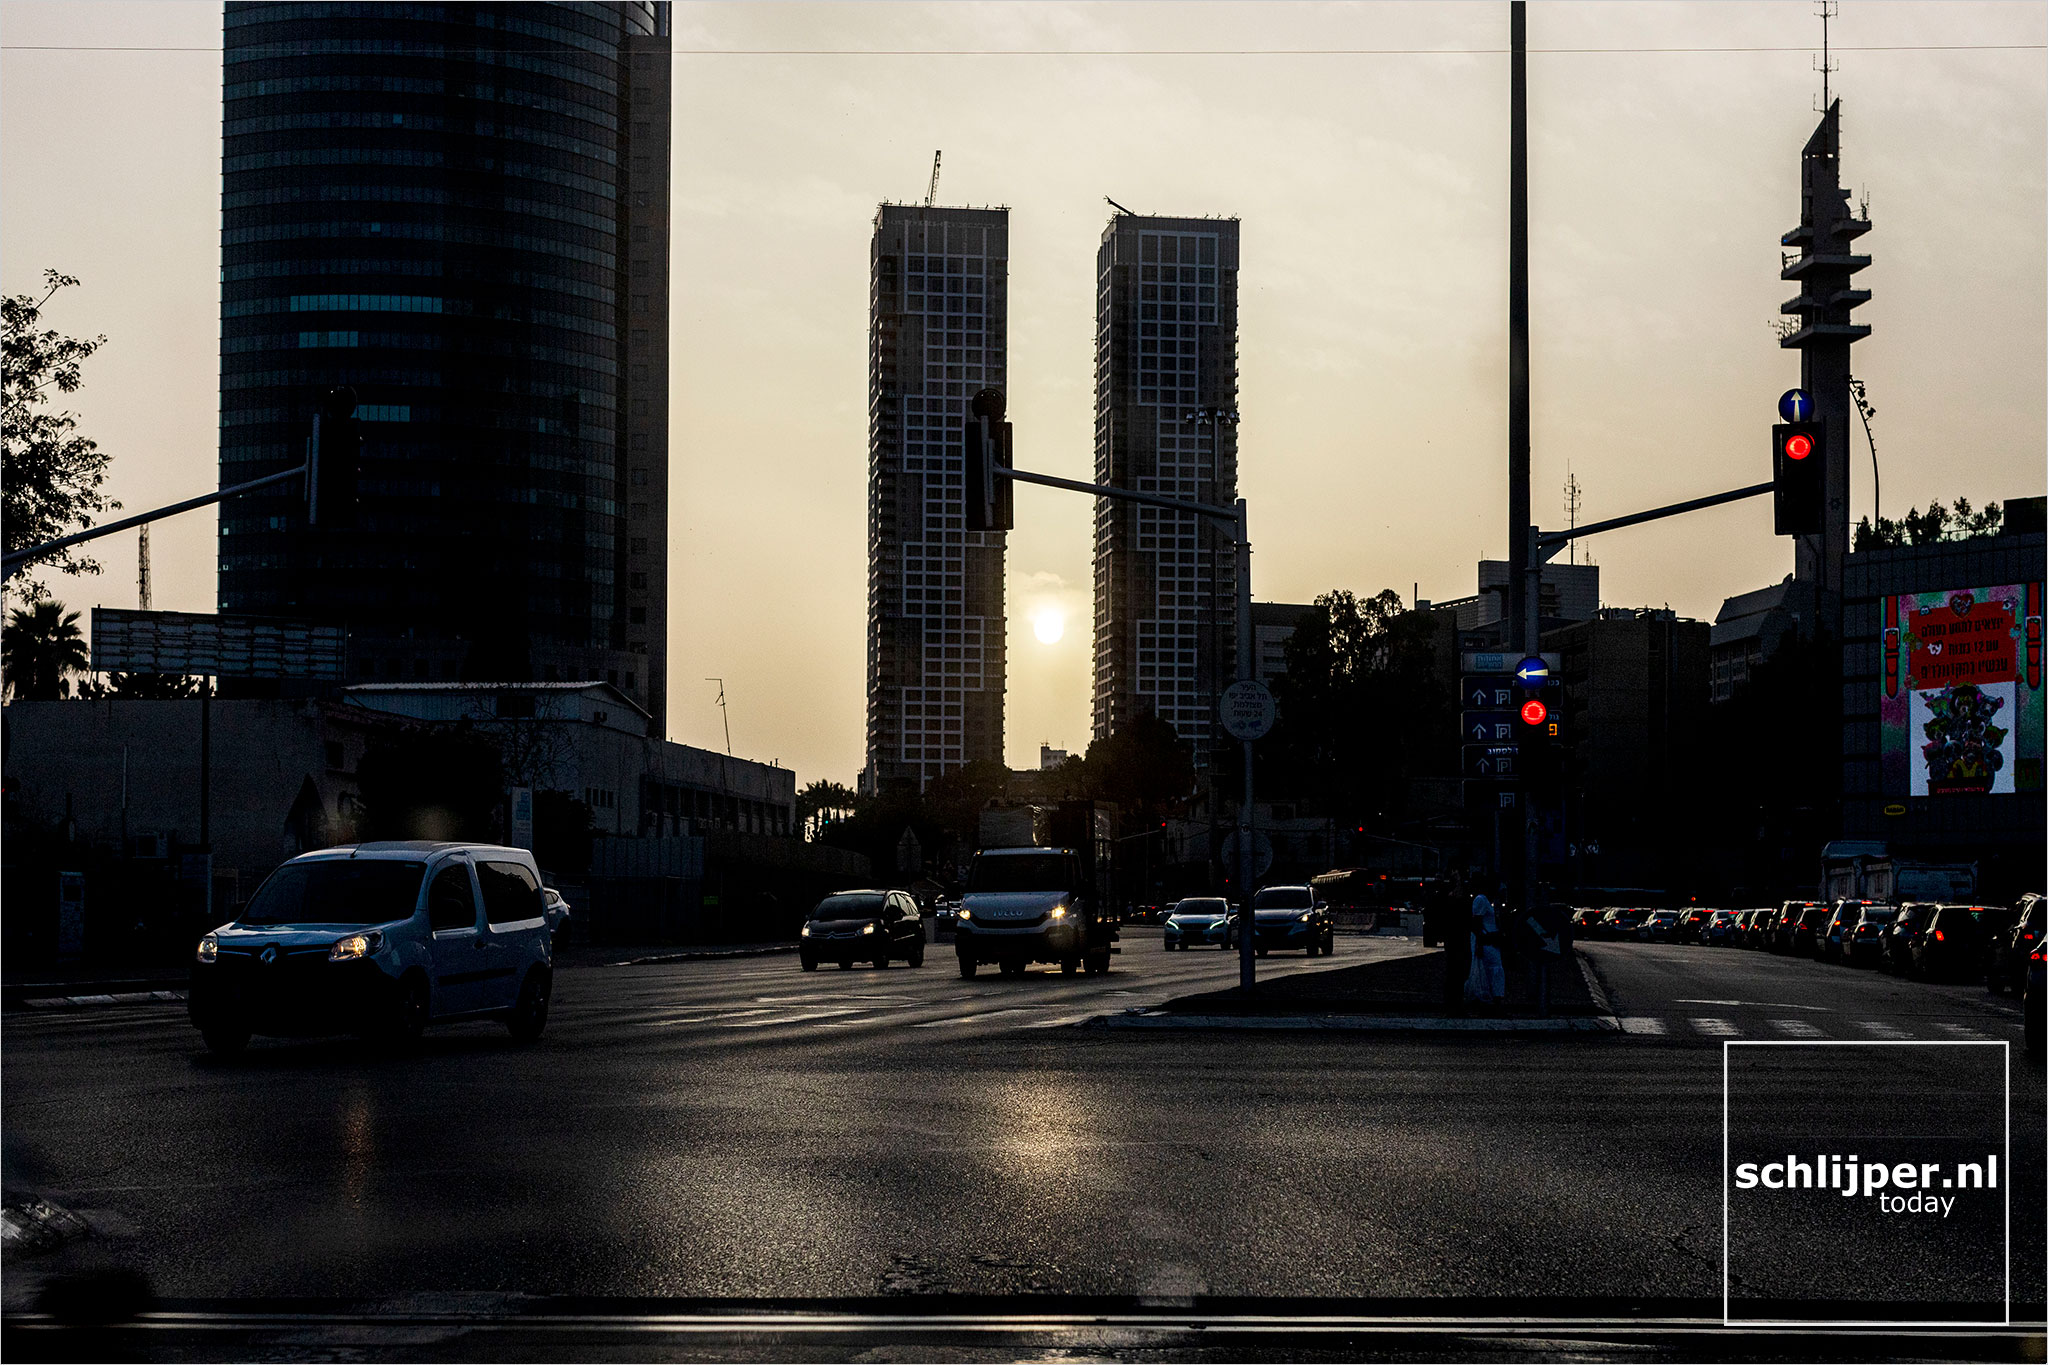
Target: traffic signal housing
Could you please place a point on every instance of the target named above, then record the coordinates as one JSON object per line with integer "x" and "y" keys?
{"x": 1798, "y": 477}
{"x": 1539, "y": 739}
{"x": 333, "y": 461}
{"x": 985, "y": 445}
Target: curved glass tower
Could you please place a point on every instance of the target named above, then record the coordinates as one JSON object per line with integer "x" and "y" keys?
{"x": 461, "y": 212}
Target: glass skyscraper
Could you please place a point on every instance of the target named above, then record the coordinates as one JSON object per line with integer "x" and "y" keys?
{"x": 460, "y": 211}
{"x": 1165, "y": 582}
{"x": 938, "y": 310}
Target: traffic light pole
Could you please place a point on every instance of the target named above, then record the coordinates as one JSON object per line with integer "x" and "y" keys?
{"x": 21, "y": 559}
{"x": 1235, "y": 517}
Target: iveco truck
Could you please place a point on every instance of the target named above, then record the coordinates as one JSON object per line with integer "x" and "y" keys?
{"x": 1025, "y": 905}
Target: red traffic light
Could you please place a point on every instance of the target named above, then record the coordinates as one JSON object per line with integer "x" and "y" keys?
{"x": 1798, "y": 446}
{"x": 1534, "y": 712}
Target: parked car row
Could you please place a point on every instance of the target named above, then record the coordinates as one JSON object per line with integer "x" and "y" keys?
{"x": 1987, "y": 943}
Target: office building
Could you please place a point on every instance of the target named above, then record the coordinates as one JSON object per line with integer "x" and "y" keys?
{"x": 461, "y": 213}
{"x": 1165, "y": 400}
{"x": 938, "y": 311}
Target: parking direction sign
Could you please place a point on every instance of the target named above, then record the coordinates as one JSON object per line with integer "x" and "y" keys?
{"x": 1486, "y": 692}
{"x": 1490, "y": 760}
{"x": 1487, "y": 727}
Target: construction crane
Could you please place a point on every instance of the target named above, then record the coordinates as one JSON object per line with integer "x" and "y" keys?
{"x": 931, "y": 194}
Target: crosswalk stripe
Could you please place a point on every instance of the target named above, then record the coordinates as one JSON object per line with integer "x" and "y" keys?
{"x": 701, "y": 1018}
{"x": 1882, "y": 1030}
{"x": 1797, "y": 1028}
{"x": 1716, "y": 1028}
{"x": 1647, "y": 1026}
{"x": 781, "y": 1019}
{"x": 1958, "y": 1031}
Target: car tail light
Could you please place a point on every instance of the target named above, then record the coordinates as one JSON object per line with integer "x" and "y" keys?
{"x": 1938, "y": 937}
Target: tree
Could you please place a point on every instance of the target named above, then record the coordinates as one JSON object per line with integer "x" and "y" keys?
{"x": 50, "y": 477}
{"x": 1359, "y": 704}
{"x": 1936, "y": 524}
{"x": 139, "y": 687}
{"x": 821, "y": 803}
{"x": 431, "y": 784}
{"x": 41, "y": 648}
{"x": 1145, "y": 768}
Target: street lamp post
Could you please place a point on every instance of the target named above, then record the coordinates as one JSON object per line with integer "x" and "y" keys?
{"x": 1215, "y": 416}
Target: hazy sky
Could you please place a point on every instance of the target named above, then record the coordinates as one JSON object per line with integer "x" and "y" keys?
{"x": 1372, "y": 184}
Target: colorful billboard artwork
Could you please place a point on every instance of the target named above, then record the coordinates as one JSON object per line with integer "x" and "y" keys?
{"x": 1962, "y": 706}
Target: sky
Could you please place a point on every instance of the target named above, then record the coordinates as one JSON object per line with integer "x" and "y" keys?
{"x": 1364, "y": 148}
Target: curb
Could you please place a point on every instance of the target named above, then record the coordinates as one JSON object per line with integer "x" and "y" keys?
{"x": 1593, "y": 983}
{"x": 701, "y": 955}
{"x": 91, "y": 999}
{"x": 1362, "y": 1023}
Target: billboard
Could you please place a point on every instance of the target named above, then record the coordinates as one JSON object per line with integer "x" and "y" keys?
{"x": 1961, "y": 706}
{"x": 196, "y": 643}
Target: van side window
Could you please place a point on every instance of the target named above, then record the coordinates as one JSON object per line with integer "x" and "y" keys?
{"x": 450, "y": 902}
{"x": 510, "y": 893}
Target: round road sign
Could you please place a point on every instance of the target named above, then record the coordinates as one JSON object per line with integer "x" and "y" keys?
{"x": 1795, "y": 405}
{"x": 1532, "y": 672}
{"x": 1247, "y": 710}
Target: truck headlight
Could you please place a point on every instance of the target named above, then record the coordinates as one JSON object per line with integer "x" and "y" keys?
{"x": 209, "y": 948}
{"x": 354, "y": 946}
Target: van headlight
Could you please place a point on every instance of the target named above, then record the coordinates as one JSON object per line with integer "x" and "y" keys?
{"x": 867, "y": 928}
{"x": 209, "y": 948}
{"x": 963, "y": 913}
{"x": 1057, "y": 912}
{"x": 354, "y": 946}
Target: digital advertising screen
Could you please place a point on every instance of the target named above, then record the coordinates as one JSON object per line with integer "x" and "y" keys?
{"x": 1962, "y": 704}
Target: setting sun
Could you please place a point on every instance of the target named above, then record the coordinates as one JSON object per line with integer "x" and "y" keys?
{"x": 1048, "y": 623}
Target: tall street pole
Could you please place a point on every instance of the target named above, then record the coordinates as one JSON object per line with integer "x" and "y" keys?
{"x": 1247, "y": 960}
{"x": 1524, "y": 595}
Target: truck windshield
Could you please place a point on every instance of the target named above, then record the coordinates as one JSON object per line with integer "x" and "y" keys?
{"x": 1022, "y": 872}
{"x": 337, "y": 891}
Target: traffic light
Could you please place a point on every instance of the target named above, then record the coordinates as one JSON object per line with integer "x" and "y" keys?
{"x": 1538, "y": 740}
{"x": 333, "y": 456}
{"x": 985, "y": 445}
{"x": 1799, "y": 476}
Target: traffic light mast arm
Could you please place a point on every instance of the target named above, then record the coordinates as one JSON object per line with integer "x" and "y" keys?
{"x": 1103, "y": 490}
{"x": 21, "y": 558}
{"x": 1548, "y": 543}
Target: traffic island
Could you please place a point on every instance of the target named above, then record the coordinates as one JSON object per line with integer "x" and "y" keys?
{"x": 1401, "y": 994}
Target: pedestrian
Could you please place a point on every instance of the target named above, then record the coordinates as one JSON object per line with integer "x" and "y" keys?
{"x": 1454, "y": 927}
{"x": 1486, "y": 980}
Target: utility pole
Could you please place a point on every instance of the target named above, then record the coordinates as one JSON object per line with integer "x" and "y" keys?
{"x": 1524, "y": 567}
{"x": 142, "y": 569}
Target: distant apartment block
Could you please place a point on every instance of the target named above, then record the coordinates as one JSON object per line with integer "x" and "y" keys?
{"x": 938, "y": 311}
{"x": 1165, "y": 582}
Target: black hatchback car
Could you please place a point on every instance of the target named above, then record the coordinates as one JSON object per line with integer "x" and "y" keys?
{"x": 1900, "y": 936}
{"x": 1952, "y": 946}
{"x": 1863, "y": 942}
{"x": 2011, "y": 949}
{"x": 863, "y": 926}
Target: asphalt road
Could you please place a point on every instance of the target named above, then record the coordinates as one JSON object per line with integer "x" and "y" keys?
{"x": 741, "y": 1129}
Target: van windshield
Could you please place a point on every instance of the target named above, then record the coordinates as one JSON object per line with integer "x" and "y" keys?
{"x": 337, "y": 891}
{"x": 1048, "y": 871}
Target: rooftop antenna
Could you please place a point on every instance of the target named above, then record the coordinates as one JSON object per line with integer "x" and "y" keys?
{"x": 142, "y": 569}
{"x": 931, "y": 194}
{"x": 1571, "y": 506}
{"x": 1827, "y": 10}
{"x": 1118, "y": 207}
{"x": 724, "y": 713}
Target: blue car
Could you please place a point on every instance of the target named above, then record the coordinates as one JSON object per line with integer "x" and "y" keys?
{"x": 1199, "y": 922}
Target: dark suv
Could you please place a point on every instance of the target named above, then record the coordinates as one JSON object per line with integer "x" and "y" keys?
{"x": 863, "y": 926}
{"x": 1291, "y": 917}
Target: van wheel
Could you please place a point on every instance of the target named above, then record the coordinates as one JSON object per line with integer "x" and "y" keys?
{"x": 225, "y": 1040}
{"x": 967, "y": 966}
{"x": 408, "y": 1018}
{"x": 530, "y": 1013}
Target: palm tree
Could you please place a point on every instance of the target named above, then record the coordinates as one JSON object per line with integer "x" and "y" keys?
{"x": 39, "y": 648}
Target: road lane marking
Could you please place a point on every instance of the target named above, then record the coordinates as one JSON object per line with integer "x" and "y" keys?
{"x": 1760, "y": 1004}
{"x": 1715, "y": 1028}
{"x": 701, "y": 1018}
{"x": 1797, "y": 1028}
{"x": 1883, "y": 1030}
{"x": 1958, "y": 1031}
{"x": 1652, "y": 1027}
{"x": 973, "y": 1018}
{"x": 790, "y": 1018}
